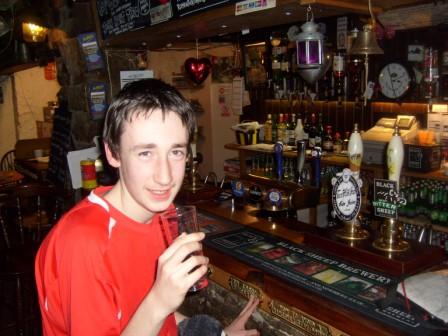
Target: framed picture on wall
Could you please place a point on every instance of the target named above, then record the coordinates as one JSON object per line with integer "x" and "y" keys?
{"x": 254, "y": 64}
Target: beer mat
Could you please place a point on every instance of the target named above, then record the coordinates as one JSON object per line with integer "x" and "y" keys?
{"x": 209, "y": 225}
{"x": 359, "y": 288}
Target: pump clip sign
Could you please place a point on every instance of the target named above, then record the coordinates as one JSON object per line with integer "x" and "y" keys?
{"x": 386, "y": 198}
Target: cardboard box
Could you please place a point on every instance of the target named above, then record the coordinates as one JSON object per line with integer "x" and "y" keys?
{"x": 422, "y": 158}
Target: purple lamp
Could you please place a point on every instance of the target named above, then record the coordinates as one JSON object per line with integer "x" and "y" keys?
{"x": 311, "y": 59}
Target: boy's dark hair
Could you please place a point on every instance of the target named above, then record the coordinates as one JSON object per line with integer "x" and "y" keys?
{"x": 141, "y": 98}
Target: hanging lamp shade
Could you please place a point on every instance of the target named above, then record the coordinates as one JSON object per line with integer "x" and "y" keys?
{"x": 312, "y": 60}
{"x": 310, "y": 51}
{"x": 366, "y": 43}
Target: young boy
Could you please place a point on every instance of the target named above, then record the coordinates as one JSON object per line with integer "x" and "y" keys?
{"x": 104, "y": 269}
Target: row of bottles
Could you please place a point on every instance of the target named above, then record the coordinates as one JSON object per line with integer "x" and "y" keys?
{"x": 342, "y": 82}
{"x": 288, "y": 129}
{"x": 426, "y": 198}
{"x": 427, "y": 66}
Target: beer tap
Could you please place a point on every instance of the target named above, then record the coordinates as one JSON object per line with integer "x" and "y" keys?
{"x": 278, "y": 150}
{"x": 316, "y": 154}
{"x": 391, "y": 239}
{"x": 301, "y": 153}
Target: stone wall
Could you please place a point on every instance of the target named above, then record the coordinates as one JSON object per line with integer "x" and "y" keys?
{"x": 75, "y": 18}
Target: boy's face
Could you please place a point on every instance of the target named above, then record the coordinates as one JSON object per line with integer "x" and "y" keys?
{"x": 151, "y": 162}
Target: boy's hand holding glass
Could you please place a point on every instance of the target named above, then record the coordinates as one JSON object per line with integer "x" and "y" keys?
{"x": 181, "y": 220}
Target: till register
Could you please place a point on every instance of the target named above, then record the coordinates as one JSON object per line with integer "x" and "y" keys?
{"x": 375, "y": 140}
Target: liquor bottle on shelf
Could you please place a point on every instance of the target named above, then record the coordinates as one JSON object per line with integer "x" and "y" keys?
{"x": 291, "y": 130}
{"x": 281, "y": 128}
{"x": 276, "y": 64}
{"x": 354, "y": 78}
{"x": 268, "y": 129}
{"x": 339, "y": 75}
{"x": 328, "y": 143}
{"x": 444, "y": 72}
{"x": 430, "y": 73}
{"x": 285, "y": 67}
{"x": 312, "y": 132}
{"x": 325, "y": 90}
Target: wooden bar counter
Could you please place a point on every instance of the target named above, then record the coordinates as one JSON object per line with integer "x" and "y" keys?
{"x": 306, "y": 311}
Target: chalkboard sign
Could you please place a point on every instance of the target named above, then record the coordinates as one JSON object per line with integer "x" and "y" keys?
{"x": 386, "y": 198}
{"x": 120, "y": 16}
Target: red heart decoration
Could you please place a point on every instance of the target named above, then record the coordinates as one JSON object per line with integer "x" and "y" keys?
{"x": 197, "y": 69}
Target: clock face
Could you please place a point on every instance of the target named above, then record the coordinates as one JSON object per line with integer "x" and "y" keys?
{"x": 394, "y": 80}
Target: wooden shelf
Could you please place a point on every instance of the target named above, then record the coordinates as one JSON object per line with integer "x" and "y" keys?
{"x": 342, "y": 161}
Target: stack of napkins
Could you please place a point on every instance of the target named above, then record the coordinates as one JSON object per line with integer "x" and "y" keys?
{"x": 430, "y": 291}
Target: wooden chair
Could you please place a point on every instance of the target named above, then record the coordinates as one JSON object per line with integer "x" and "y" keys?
{"x": 7, "y": 162}
{"x": 26, "y": 212}
{"x": 32, "y": 210}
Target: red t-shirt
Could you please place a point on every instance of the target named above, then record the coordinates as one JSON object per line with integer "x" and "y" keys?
{"x": 95, "y": 267}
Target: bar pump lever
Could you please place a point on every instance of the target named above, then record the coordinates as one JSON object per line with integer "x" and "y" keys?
{"x": 278, "y": 150}
{"x": 301, "y": 152}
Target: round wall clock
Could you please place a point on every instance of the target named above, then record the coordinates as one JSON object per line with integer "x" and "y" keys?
{"x": 395, "y": 80}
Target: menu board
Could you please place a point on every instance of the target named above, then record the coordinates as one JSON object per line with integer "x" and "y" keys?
{"x": 364, "y": 290}
{"x": 119, "y": 16}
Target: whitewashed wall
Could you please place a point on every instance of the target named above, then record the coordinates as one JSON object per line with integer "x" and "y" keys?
{"x": 33, "y": 92}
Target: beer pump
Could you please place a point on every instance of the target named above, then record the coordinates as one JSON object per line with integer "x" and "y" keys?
{"x": 391, "y": 239}
{"x": 346, "y": 195}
